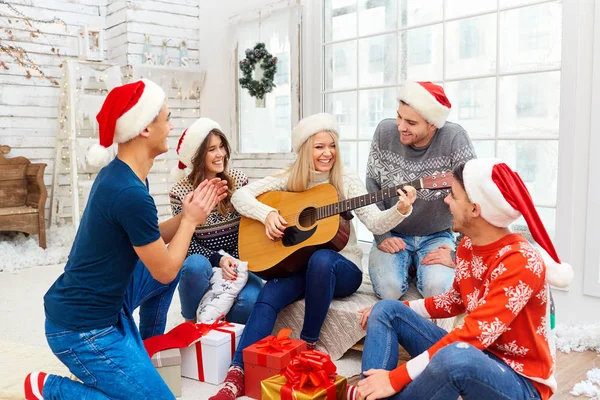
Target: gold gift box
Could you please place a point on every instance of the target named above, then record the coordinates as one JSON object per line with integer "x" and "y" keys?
{"x": 270, "y": 389}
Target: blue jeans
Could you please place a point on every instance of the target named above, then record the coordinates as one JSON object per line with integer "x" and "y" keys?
{"x": 455, "y": 370}
{"x": 389, "y": 272}
{"x": 327, "y": 275}
{"x": 112, "y": 362}
{"x": 194, "y": 280}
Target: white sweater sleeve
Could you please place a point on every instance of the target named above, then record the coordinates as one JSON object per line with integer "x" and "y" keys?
{"x": 377, "y": 221}
{"x": 244, "y": 199}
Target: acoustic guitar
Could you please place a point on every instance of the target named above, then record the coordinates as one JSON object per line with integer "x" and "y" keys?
{"x": 314, "y": 223}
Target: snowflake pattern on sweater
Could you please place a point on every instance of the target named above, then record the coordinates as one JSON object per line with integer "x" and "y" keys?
{"x": 219, "y": 232}
{"x": 502, "y": 288}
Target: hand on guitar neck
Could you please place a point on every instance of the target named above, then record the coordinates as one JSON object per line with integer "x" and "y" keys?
{"x": 408, "y": 195}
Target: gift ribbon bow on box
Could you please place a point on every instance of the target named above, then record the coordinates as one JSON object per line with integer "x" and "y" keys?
{"x": 310, "y": 368}
{"x": 275, "y": 344}
{"x": 185, "y": 334}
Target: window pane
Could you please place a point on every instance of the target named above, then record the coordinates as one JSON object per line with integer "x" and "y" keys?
{"x": 420, "y": 55}
{"x": 536, "y": 161}
{"x": 378, "y": 60}
{"x": 548, "y": 217}
{"x": 376, "y": 16}
{"x": 363, "y": 156}
{"x": 349, "y": 155}
{"x": 531, "y": 38}
{"x": 274, "y": 119}
{"x": 474, "y": 105}
{"x": 340, "y": 65}
{"x": 529, "y": 105}
{"x": 418, "y": 12}
{"x": 375, "y": 105}
{"x": 339, "y": 19}
{"x": 343, "y": 106}
{"x": 471, "y": 46}
{"x": 484, "y": 148}
{"x": 461, "y": 8}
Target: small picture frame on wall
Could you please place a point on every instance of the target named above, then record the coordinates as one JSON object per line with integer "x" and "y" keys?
{"x": 91, "y": 43}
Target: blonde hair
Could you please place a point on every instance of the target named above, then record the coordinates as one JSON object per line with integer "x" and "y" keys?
{"x": 303, "y": 168}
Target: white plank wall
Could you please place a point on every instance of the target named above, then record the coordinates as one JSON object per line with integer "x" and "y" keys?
{"x": 28, "y": 107}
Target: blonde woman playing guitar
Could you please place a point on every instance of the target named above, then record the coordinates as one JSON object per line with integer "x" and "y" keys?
{"x": 328, "y": 273}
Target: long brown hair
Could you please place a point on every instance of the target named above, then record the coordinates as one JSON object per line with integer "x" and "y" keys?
{"x": 198, "y": 163}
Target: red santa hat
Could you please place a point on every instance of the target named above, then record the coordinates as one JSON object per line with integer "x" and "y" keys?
{"x": 428, "y": 99}
{"x": 188, "y": 145}
{"x": 503, "y": 197}
{"x": 313, "y": 124}
{"x": 126, "y": 111}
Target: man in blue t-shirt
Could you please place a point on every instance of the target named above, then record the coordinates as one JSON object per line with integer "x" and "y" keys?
{"x": 89, "y": 323}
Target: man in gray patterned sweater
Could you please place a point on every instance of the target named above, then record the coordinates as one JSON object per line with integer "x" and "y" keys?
{"x": 418, "y": 143}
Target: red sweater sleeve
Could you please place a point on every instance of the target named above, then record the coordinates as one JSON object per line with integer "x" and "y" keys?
{"x": 503, "y": 299}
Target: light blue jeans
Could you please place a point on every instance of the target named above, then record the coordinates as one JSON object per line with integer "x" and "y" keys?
{"x": 389, "y": 272}
{"x": 194, "y": 279}
{"x": 112, "y": 362}
{"x": 457, "y": 369}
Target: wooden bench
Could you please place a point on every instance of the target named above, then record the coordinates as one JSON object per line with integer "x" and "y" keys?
{"x": 22, "y": 196}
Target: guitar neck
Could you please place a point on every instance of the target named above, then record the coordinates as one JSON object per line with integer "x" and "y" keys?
{"x": 364, "y": 200}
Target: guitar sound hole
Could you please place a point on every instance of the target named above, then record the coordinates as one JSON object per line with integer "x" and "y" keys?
{"x": 308, "y": 217}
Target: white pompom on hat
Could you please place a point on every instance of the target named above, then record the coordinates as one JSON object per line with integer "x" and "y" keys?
{"x": 313, "y": 124}
{"x": 126, "y": 111}
{"x": 503, "y": 198}
{"x": 188, "y": 145}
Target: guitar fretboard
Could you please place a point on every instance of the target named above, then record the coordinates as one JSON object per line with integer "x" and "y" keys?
{"x": 364, "y": 200}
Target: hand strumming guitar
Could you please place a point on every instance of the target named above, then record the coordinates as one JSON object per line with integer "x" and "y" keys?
{"x": 408, "y": 195}
{"x": 275, "y": 225}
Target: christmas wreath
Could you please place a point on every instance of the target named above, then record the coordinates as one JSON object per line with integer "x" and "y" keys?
{"x": 259, "y": 54}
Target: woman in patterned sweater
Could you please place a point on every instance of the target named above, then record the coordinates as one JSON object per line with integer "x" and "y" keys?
{"x": 204, "y": 148}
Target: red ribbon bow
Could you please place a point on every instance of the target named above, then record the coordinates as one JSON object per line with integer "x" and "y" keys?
{"x": 184, "y": 335}
{"x": 274, "y": 344}
{"x": 310, "y": 368}
{"x": 220, "y": 322}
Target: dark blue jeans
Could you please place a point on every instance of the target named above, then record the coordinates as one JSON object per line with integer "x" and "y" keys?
{"x": 456, "y": 370}
{"x": 193, "y": 283}
{"x": 112, "y": 362}
{"x": 327, "y": 275}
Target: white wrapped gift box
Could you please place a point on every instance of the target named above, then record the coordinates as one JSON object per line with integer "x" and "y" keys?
{"x": 208, "y": 359}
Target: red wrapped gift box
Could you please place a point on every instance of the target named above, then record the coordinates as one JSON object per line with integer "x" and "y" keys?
{"x": 268, "y": 357}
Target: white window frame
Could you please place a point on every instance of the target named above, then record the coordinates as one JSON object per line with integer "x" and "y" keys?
{"x": 591, "y": 270}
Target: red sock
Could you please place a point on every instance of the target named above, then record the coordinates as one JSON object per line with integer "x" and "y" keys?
{"x": 233, "y": 387}
{"x": 352, "y": 391}
{"x": 34, "y": 384}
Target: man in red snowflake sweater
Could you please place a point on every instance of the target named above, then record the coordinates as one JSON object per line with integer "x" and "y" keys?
{"x": 504, "y": 349}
